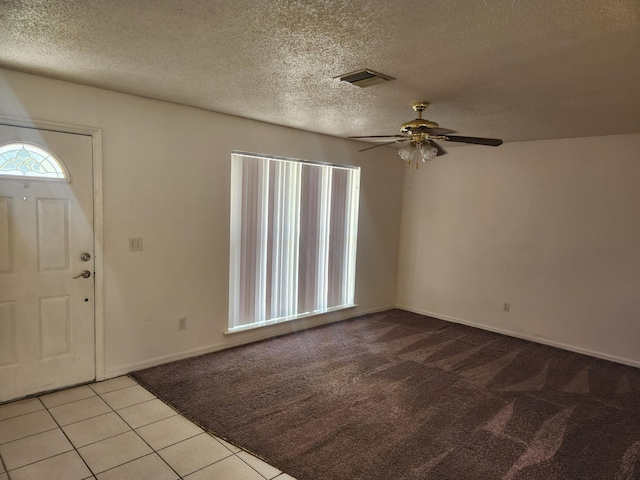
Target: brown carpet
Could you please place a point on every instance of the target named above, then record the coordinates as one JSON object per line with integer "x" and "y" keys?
{"x": 396, "y": 395}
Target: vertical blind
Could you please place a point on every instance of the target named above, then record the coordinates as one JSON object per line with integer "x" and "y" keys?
{"x": 293, "y": 238}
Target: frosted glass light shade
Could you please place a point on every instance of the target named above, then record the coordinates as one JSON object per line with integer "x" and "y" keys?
{"x": 412, "y": 153}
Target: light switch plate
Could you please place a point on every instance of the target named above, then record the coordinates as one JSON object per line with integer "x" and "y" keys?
{"x": 135, "y": 244}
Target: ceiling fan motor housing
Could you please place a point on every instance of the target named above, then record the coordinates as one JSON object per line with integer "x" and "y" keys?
{"x": 417, "y": 124}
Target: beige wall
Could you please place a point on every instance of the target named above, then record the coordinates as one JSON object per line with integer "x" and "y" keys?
{"x": 552, "y": 227}
{"x": 166, "y": 171}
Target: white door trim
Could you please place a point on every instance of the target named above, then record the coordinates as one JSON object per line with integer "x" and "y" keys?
{"x": 96, "y": 134}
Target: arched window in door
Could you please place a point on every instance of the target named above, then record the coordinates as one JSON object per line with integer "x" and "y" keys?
{"x": 28, "y": 160}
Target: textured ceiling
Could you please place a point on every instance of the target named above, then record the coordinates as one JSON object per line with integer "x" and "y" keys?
{"x": 517, "y": 70}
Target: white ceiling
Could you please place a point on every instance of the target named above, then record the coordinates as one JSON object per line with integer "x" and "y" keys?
{"x": 516, "y": 70}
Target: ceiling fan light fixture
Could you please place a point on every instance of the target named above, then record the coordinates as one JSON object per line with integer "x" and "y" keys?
{"x": 428, "y": 152}
{"x": 406, "y": 153}
{"x": 413, "y": 153}
{"x": 421, "y": 135}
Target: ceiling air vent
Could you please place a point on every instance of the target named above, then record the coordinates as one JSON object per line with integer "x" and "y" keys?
{"x": 365, "y": 78}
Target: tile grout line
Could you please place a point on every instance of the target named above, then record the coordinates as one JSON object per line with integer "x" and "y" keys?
{"x": 180, "y": 414}
{"x": 59, "y": 427}
{"x": 135, "y": 459}
{"x": 265, "y": 478}
{"x": 42, "y": 394}
{"x": 44, "y": 408}
{"x": 22, "y": 414}
{"x": 153, "y": 451}
{"x": 139, "y": 436}
{"x": 68, "y": 439}
{"x": 74, "y": 448}
{"x": 4, "y": 467}
{"x": 232, "y": 454}
{"x": 113, "y": 410}
{"x": 150, "y": 423}
{"x": 208, "y": 432}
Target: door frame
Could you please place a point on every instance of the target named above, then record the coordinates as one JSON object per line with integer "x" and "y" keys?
{"x": 98, "y": 231}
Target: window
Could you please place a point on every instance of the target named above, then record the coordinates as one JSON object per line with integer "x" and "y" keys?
{"x": 26, "y": 160}
{"x": 293, "y": 239}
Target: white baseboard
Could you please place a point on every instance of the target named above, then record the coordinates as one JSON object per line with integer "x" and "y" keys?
{"x": 243, "y": 338}
{"x": 544, "y": 341}
{"x": 286, "y": 328}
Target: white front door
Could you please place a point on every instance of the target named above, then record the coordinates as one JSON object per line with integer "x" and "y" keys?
{"x": 47, "y": 319}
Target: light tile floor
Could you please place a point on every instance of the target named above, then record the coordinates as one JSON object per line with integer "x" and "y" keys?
{"x": 115, "y": 430}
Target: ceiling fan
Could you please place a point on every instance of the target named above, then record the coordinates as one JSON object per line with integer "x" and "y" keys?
{"x": 421, "y": 135}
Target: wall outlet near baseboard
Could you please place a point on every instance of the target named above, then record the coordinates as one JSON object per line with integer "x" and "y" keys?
{"x": 182, "y": 323}
{"x": 507, "y": 307}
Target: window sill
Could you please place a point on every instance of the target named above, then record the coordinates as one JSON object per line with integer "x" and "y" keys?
{"x": 254, "y": 326}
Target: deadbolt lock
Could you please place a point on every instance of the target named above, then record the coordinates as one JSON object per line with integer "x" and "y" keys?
{"x": 85, "y": 257}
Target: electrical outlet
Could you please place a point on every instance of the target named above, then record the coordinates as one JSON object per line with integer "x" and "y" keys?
{"x": 135, "y": 244}
{"x": 507, "y": 307}
{"x": 182, "y": 323}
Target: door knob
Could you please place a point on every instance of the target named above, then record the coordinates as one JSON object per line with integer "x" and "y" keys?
{"x": 85, "y": 257}
{"x": 84, "y": 274}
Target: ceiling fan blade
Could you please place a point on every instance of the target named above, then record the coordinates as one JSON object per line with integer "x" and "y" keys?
{"x": 441, "y": 151}
{"x": 492, "y": 142}
{"x": 380, "y": 145}
{"x": 381, "y": 136}
{"x": 438, "y": 131}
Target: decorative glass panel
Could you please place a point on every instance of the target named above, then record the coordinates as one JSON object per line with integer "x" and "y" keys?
{"x": 26, "y": 160}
